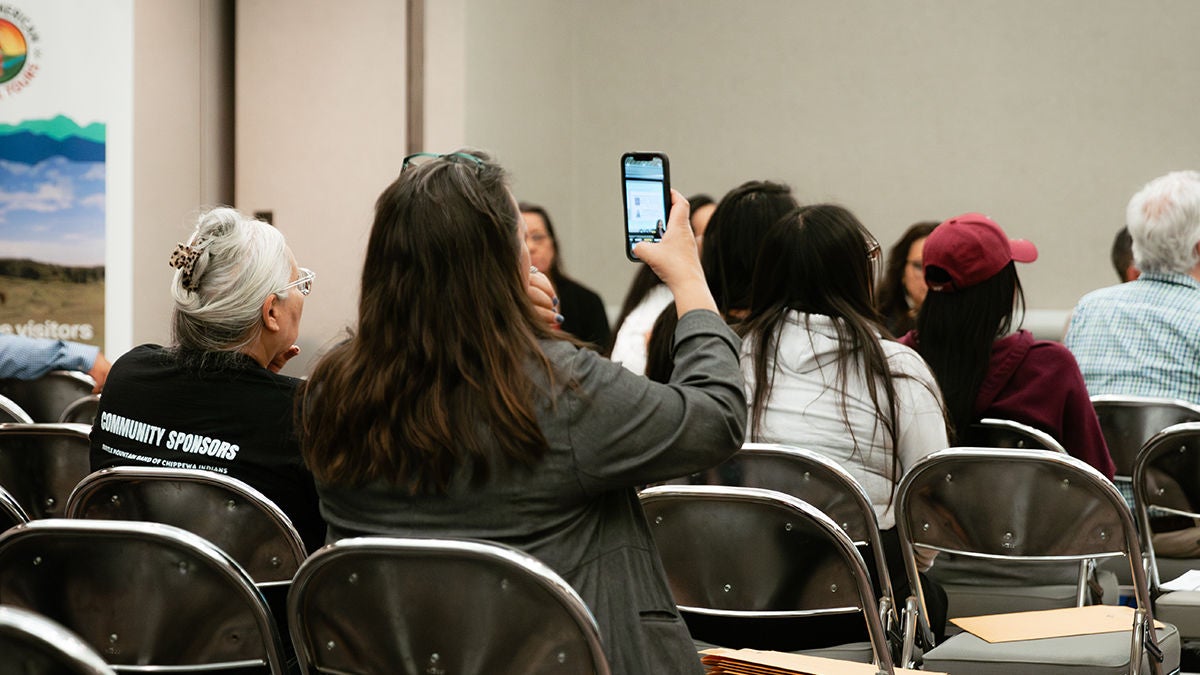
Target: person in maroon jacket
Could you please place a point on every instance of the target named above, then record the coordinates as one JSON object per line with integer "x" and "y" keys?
{"x": 984, "y": 368}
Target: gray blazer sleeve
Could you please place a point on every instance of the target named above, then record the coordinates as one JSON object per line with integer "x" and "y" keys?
{"x": 626, "y": 430}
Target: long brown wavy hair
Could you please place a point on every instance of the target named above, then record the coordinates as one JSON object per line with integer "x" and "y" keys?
{"x": 438, "y": 378}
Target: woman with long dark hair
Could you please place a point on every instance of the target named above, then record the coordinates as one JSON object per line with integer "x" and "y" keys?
{"x": 902, "y": 289}
{"x": 820, "y": 376}
{"x": 965, "y": 332}
{"x": 452, "y": 410}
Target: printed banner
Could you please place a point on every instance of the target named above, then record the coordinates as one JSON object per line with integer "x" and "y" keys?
{"x": 60, "y": 87}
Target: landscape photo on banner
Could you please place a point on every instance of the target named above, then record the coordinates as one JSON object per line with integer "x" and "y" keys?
{"x": 52, "y": 229}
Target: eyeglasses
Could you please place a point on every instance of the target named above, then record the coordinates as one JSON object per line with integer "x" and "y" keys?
{"x": 303, "y": 284}
{"x": 420, "y": 158}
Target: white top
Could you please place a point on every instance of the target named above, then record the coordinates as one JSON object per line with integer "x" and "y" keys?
{"x": 805, "y": 408}
{"x": 629, "y": 349}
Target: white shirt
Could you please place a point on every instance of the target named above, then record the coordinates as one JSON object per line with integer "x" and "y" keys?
{"x": 805, "y": 408}
{"x": 629, "y": 349}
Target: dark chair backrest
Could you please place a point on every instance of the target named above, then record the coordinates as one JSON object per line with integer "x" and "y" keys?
{"x": 41, "y": 463}
{"x": 1129, "y": 421}
{"x": 821, "y": 482}
{"x": 990, "y": 432}
{"x": 82, "y": 410}
{"x": 396, "y": 605}
{"x": 31, "y": 643}
{"x": 748, "y": 553}
{"x": 1015, "y": 505}
{"x": 143, "y": 595}
{"x": 1166, "y": 478}
{"x": 48, "y": 396}
{"x": 236, "y": 517}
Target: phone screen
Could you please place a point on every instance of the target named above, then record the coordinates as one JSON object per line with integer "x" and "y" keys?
{"x": 645, "y": 178}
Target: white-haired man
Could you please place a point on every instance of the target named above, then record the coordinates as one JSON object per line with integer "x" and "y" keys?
{"x": 1143, "y": 338}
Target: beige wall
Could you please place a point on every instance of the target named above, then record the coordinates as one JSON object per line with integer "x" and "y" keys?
{"x": 182, "y": 149}
{"x": 319, "y": 134}
{"x": 1046, "y": 116}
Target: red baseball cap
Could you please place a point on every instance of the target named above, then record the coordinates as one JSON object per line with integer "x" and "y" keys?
{"x": 971, "y": 248}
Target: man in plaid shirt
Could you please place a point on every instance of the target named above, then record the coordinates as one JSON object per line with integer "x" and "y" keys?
{"x": 1142, "y": 338}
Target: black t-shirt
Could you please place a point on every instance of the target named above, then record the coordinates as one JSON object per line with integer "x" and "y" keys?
{"x": 235, "y": 419}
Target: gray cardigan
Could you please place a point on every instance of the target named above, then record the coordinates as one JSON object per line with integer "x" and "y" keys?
{"x": 577, "y": 510}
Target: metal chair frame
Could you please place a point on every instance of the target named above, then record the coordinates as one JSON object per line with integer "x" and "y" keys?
{"x": 838, "y": 495}
{"x": 1015, "y": 435}
{"x": 31, "y": 549}
{"x": 1174, "y": 441}
{"x": 1124, "y": 454}
{"x": 934, "y": 528}
{"x": 56, "y": 646}
{"x": 778, "y": 502}
{"x": 112, "y": 494}
{"x": 11, "y": 513}
{"x": 12, "y": 413}
{"x": 45, "y": 398}
{"x": 82, "y": 410}
{"x": 393, "y": 558}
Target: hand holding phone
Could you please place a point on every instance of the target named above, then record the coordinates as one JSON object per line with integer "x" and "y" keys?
{"x": 646, "y": 187}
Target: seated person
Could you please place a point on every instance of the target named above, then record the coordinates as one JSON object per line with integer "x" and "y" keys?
{"x": 902, "y": 289}
{"x": 819, "y": 374}
{"x": 984, "y": 368}
{"x": 582, "y": 310}
{"x": 214, "y": 399}
{"x": 1142, "y": 338}
{"x": 485, "y": 424}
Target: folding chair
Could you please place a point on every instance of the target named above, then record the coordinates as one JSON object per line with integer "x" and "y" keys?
{"x": 82, "y": 410}
{"x": 48, "y": 396}
{"x": 1020, "y": 506}
{"x": 1129, "y": 421}
{"x": 739, "y": 556}
{"x": 31, "y": 643}
{"x": 395, "y": 605}
{"x": 236, "y": 517}
{"x": 148, "y": 597}
{"x": 991, "y": 432}
{"x": 1166, "y": 482}
{"x": 41, "y": 463}
{"x": 823, "y": 483}
{"x": 11, "y": 513}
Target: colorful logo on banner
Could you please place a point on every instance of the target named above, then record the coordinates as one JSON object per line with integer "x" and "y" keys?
{"x": 18, "y": 51}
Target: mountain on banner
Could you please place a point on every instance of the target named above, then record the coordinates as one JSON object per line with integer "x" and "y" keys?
{"x": 32, "y": 141}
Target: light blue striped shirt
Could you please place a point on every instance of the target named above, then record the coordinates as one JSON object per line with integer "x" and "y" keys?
{"x": 26, "y": 358}
{"x": 1141, "y": 338}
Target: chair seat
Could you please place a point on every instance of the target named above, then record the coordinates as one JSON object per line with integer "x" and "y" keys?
{"x": 1103, "y": 654}
{"x": 1182, "y": 609}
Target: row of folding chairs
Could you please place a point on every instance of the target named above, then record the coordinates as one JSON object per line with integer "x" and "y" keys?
{"x": 148, "y": 597}
{"x": 729, "y": 564}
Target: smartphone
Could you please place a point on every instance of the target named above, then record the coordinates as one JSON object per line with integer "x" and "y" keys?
{"x": 646, "y": 186}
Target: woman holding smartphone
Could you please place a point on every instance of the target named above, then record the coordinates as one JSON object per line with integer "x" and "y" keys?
{"x": 453, "y": 411}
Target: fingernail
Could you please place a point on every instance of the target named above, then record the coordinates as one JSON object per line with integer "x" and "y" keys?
{"x": 559, "y": 318}
{"x": 554, "y": 300}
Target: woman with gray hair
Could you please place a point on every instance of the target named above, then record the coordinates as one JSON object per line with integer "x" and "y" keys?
{"x": 214, "y": 399}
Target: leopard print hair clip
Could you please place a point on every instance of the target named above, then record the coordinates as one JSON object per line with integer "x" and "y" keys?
{"x": 183, "y": 258}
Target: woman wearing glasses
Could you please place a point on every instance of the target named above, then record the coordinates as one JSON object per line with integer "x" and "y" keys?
{"x": 818, "y": 374}
{"x": 214, "y": 399}
{"x": 453, "y": 411}
{"x": 902, "y": 289}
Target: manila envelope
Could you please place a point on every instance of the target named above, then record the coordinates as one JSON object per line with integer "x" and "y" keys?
{"x": 754, "y": 662}
{"x": 1049, "y": 623}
